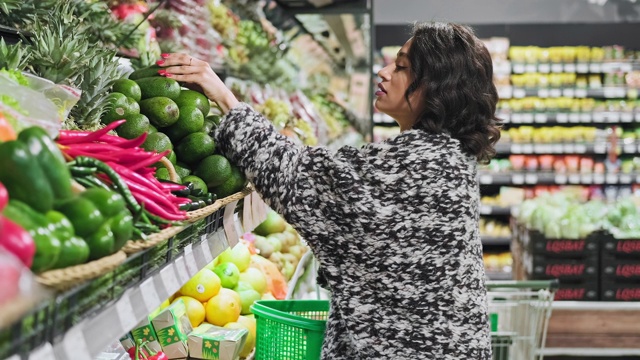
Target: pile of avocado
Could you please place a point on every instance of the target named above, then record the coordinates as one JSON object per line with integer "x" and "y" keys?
{"x": 175, "y": 119}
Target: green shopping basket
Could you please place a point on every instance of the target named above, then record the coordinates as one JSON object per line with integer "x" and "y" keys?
{"x": 290, "y": 329}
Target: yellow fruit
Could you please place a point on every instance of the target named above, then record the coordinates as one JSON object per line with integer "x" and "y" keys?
{"x": 203, "y": 286}
{"x": 195, "y": 310}
{"x": 251, "y": 337}
{"x": 165, "y": 304}
{"x": 239, "y": 255}
{"x": 255, "y": 278}
{"x": 223, "y": 308}
{"x": 268, "y": 296}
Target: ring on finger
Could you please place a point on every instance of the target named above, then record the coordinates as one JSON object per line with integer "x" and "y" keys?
{"x": 190, "y": 60}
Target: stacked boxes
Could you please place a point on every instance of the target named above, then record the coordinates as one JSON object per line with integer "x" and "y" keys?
{"x": 620, "y": 269}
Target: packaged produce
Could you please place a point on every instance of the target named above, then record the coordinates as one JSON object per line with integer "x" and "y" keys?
{"x": 211, "y": 342}
{"x": 145, "y": 332}
{"x": 172, "y": 326}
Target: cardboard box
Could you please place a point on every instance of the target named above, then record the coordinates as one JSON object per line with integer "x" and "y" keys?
{"x": 172, "y": 327}
{"x": 144, "y": 331}
{"x": 211, "y": 342}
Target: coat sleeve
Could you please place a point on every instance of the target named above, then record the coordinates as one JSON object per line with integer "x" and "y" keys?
{"x": 316, "y": 191}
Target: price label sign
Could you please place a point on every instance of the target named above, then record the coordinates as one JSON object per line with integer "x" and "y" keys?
{"x": 585, "y": 117}
{"x": 581, "y": 93}
{"x": 561, "y": 179}
{"x": 190, "y": 260}
{"x": 557, "y": 68}
{"x": 562, "y": 118}
{"x": 124, "y": 309}
{"x": 600, "y": 148}
{"x": 569, "y": 148}
{"x": 612, "y": 179}
{"x": 486, "y": 179}
{"x": 260, "y": 209}
{"x": 518, "y": 68}
{"x": 516, "y": 118}
{"x": 543, "y": 93}
{"x": 613, "y": 117}
{"x": 527, "y": 149}
{"x": 505, "y": 92}
{"x": 531, "y": 178}
{"x": 568, "y": 93}
{"x": 485, "y": 209}
{"x": 169, "y": 279}
{"x": 586, "y": 178}
{"x": 516, "y": 148}
{"x": 630, "y": 148}
{"x": 519, "y": 93}
{"x": 598, "y": 117}
{"x": 582, "y": 68}
{"x": 206, "y": 251}
{"x": 150, "y": 295}
{"x": 181, "y": 270}
{"x": 228, "y": 222}
{"x": 595, "y": 68}
{"x": 637, "y": 116}
{"x": 574, "y": 178}
{"x": 625, "y": 179}
{"x": 75, "y": 345}
{"x": 570, "y": 68}
{"x": 247, "y": 218}
{"x": 44, "y": 352}
{"x": 557, "y": 149}
{"x": 610, "y": 92}
{"x": 626, "y": 117}
{"x": 527, "y": 117}
{"x": 574, "y": 118}
{"x": 555, "y": 93}
{"x": 581, "y": 148}
{"x": 517, "y": 179}
{"x": 541, "y": 118}
{"x": 544, "y": 68}
{"x": 531, "y": 68}
{"x": 598, "y": 179}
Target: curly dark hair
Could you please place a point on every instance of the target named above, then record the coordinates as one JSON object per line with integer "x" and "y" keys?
{"x": 453, "y": 71}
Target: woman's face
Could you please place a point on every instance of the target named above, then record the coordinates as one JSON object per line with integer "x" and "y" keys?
{"x": 396, "y": 78}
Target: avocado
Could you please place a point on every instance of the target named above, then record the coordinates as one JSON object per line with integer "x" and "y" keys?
{"x": 146, "y": 72}
{"x": 161, "y": 111}
{"x": 158, "y": 86}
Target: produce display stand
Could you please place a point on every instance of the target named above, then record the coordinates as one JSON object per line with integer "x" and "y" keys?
{"x": 81, "y": 322}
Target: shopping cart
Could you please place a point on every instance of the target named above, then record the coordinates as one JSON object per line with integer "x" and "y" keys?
{"x": 519, "y": 312}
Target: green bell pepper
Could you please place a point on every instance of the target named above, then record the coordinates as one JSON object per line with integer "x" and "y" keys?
{"x": 122, "y": 227}
{"x": 101, "y": 242}
{"x": 74, "y": 250}
{"x": 48, "y": 245}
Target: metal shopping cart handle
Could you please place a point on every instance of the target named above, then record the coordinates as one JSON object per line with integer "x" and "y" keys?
{"x": 525, "y": 284}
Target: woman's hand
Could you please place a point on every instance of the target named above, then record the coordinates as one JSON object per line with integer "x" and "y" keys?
{"x": 187, "y": 69}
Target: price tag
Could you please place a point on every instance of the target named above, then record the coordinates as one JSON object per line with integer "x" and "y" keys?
{"x": 562, "y": 118}
{"x": 540, "y": 118}
{"x": 585, "y": 117}
{"x": 181, "y": 270}
{"x": 206, "y": 251}
{"x": 557, "y": 149}
{"x": 581, "y": 93}
{"x": 261, "y": 208}
{"x": 632, "y": 93}
{"x": 598, "y": 117}
{"x": 581, "y": 148}
{"x": 531, "y": 68}
{"x": 539, "y": 148}
{"x": 568, "y": 93}
{"x": 637, "y": 116}
{"x": 626, "y": 67}
{"x": 569, "y": 148}
{"x": 516, "y": 118}
{"x": 613, "y": 117}
{"x": 169, "y": 279}
{"x": 518, "y": 68}
{"x": 506, "y": 117}
{"x": 527, "y": 118}
{"x": 150, "y": 295}
{"x": 543, "y": 93}
{"x": 75, "y": 345}
{"x": 612, "y": 179}
{"x": 544, "y": 68}
{"x": 637, "y": 178}
{"x": 569, "y": 67}
{"x": 625, "y": 179}
{"x": 600, "y": 148}
{"x": 582, "y": 68}
{"x": 561, "y": 179}
{"x": 190, "y": 260}
{"x": 610, "y": 92}
{"x": 516, "y": 148}
{"x": 505, "y": 92}
{"x": 555, "y": 93}
{"x": 229, "y": 224}
{"x": 598, "y": 178}
{"x": 595, "y": 68}
{"x": 527, "y": 149}
{"x": 517, "y": 179}
{"x": 587, "y": 178}
{"x": 502, "y": 67}
{"x": 630, "y": 148}
{"x": 574, "y": 118}
{"x": 557, "y": 68}
{"x": 485, "y": 209}
{"x": 486, "y": 179}
{"x": 626, "y": 117}
{"x": 519, "y": 93}
{"x": 44, "y": 352}
{"x": 124, "y": 309}
{"x": 531, "y": 178}
{"x": 247, "y": 218}
{"x": 574, "y": 178}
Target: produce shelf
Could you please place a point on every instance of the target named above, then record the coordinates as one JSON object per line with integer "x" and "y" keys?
{"x": 495, "y": 240}
{"x": 82, "y": 322}
{"x": 580, "y": 68}
{"x": 499, "y": 275}
{"x": 606, "y": 92}
{"x": 494, "y": 210}
{"x": 565, "y": 148}
{"x": 549, "y": 178}
{"x": 565, "y": 118}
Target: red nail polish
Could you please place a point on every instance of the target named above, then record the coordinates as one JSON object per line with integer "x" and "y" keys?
{"x": 164, "y": 56}
{"x": 162, "y": 72}
{"x": 160, "y": 62}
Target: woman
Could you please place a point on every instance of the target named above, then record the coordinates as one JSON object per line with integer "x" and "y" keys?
{"x": 394, "y": 225}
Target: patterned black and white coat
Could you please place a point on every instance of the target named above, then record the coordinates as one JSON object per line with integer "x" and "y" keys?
{"x": 394, "y": 226}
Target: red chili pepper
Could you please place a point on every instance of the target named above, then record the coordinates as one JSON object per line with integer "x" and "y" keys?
{"x": 74, "y": 153}
{"x": 17, "y": 241}
{"x": 66, "y": 137}
{"x": 4, "y": 196}
{"x": 157, "y": 210}
{"x": 158, "y": 198}
{"x": 150, "y": 161}
{"x": 132, "y": 175}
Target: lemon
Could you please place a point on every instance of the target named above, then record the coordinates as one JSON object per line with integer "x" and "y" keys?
{"x": 195, "y": 310}
{"x": 223, "y": 308}
{"x": 202, "y": 286}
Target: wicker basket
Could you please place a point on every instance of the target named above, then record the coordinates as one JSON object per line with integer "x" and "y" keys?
{"x": 193, "y": 216}
{"x": 134, "y": 246}
{"x": 63, "y": 279}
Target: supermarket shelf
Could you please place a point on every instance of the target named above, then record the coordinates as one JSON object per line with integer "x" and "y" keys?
{"x": 601, "y": 117}
{"x": 494, "y": 210}
{"x": 549, "y": 178}
{"x": 606, "y": 92}
{"x": 580, "y": 68}
{"x": 495, "y": 240}
{"x": 597, "y": 305}
{"x": 564, "y": 148}
{"x": 499, "y": 275}
{"x": 590, "y": 352}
